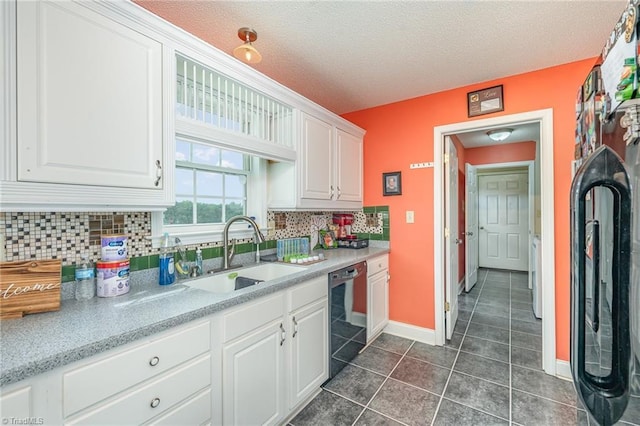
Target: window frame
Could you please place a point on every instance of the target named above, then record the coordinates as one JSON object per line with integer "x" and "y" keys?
{"x": 256, "y": 205}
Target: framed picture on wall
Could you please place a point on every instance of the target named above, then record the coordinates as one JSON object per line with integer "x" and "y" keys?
{"x": 391, "y": 183}
{"x": 485, "y": 101}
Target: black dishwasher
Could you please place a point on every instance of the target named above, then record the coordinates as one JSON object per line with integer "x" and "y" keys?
{"x": 348, "y": 315}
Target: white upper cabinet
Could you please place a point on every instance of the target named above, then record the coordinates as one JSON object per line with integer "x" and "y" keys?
{"x": 94, "y": 92}
{"x": 89, "y": 111}
{"x": 328, "y": 172}
{"x": 348, "y": 173}
{"x": 316, "y": 159}
{"x": 89, "y": 99}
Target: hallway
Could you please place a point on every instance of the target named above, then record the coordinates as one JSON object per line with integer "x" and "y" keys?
{"x": 489, "y": 373}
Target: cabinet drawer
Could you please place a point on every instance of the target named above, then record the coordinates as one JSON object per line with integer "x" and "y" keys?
{"x": 105, "y": 377}
{"x": 252, "y": 315}
{"x": 308, "y": 292}
{"x": 195, "y": 411}
{"x": 377, "y": 264}
{"x": 152, "y": 399}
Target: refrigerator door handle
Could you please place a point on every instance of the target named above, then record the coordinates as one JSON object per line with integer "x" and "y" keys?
{"x": 595, "y": 296}
{"x": 605, "y": 397}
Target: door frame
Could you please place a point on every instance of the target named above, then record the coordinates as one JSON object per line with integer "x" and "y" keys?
{"x": 545, "y": 118}
{"x": 482, "y": 169}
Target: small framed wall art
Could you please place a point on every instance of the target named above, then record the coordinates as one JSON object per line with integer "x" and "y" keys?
{"x": 391, "y": 183}
{"x": 485, "y": 101}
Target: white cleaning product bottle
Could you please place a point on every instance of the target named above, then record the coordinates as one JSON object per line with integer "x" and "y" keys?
{"x": 167, "y": 265}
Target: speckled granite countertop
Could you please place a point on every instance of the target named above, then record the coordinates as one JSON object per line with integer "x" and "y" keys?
{"x": 41, "y": 342}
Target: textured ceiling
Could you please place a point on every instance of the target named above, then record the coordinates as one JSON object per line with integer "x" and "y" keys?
{"x": 351, "y": 55}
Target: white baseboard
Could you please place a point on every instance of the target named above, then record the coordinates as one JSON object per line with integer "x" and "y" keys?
{"x": 563, "y": 369}
{"x": 413, "y": 332}
{"x": 359, "y": 319}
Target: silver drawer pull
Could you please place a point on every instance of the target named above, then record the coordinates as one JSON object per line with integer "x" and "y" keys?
{"x": 283, "y": 333}
{"x": 155, "y": 402}
{"x": 154, "y": 361}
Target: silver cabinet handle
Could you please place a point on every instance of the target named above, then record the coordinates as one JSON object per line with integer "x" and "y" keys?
{"x": 158, "y": 173}
{"x": 283, "y": 333}
{"x": 155, "y": 402}
{"x": 470, "y": 233}
{"x": 339, "y": 193}
{"x": 458, "y": 241}
{"x": 295, "y": 327}
{"x": 154, "y": 361}
{"x": 331, "y": 196}
{"x": 482, "y": 227}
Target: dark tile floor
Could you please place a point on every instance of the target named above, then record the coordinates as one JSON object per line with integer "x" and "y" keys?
{"x": 489, "y": 373}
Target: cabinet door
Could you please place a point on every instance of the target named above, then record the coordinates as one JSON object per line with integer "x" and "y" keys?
{"x": 317, "y": 159}
{"x": 349, "y": 167}
{"x": 16, "y": 404}
{"x": 378, "y": 304}
{"x": 89, "y": 99}
{"x": 253, "y": 377}
{"x": 309, "y": 351}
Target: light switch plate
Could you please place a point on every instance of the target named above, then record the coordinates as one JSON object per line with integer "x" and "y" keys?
{"x": 410, "y": 217}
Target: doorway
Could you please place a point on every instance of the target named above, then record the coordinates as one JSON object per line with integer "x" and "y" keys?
{"x": 503, "y": 220}
{"x": 545, "y": 120}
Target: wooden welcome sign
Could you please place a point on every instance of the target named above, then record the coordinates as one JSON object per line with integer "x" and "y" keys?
{"x": 29, "y": 286}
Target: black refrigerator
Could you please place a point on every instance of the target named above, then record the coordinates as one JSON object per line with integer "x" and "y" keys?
{"x": 605, "y": 232}
{"x": 605, "y": 270}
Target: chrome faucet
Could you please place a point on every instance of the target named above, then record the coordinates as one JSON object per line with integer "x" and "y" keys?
{"x": 228, "y": 254}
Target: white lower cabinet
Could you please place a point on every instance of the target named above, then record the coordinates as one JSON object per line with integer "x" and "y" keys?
{"x": 252, "y": 364}
{"x": 16, "y": 404}
{"x": 154, "y": 381}
{"x": 378, "y": 294}
{"x": 274, "y": 354}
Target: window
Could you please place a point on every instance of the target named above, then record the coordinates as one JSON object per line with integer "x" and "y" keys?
{"x": 211, "y": 185}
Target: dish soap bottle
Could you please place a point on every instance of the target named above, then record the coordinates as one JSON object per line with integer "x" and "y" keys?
{"x": 167, "y": 265}
{"x": 85, "y": 279}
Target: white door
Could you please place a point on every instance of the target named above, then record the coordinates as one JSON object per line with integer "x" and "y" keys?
{"x": 89, "y": 99}
{"x": 253, "y": 377}
{"x": 378, "y": 294}
{"x": 317, "y": 159}
{"x": 309, "y": 351}
{"x": 452, "y": 241}
{"x": 471, "y": 225}
{"x": 349, "y": 167}
{"x": 503, "y": 218}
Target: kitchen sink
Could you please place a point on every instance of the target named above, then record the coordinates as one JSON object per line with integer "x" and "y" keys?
{"x": 236, "y": 279}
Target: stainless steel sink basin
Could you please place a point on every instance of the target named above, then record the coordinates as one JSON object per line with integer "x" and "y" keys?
{"x": 225, "y": 282}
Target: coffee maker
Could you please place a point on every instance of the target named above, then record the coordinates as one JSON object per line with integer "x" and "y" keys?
{"x": 344, "y": 222}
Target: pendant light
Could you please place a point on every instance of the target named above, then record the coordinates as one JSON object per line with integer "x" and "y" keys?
{"x": 499, "y": 135}
{"x": 246, "y": 52}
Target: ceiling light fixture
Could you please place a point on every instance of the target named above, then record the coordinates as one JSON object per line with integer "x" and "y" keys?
{"x": 499, "y": 135}
{"x": 246, "y": 52}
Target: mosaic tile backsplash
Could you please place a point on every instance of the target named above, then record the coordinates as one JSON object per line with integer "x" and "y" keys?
{"x": 67, "y": 236}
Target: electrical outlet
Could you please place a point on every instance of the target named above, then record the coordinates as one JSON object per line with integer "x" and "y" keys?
{"x": 410, "y": 218}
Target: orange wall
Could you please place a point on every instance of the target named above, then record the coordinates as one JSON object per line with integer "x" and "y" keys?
{"x": 523, "y": 151}
{"x": 402, "y": 133}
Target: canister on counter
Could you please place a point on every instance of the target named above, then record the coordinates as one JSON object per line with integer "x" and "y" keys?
{"x": 113, "y": 277}
{"x": 114, "y": 247}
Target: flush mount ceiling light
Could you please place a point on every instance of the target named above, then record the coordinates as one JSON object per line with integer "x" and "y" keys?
{"x": 246, "y": 52}
{"x": 499, "y": 135}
